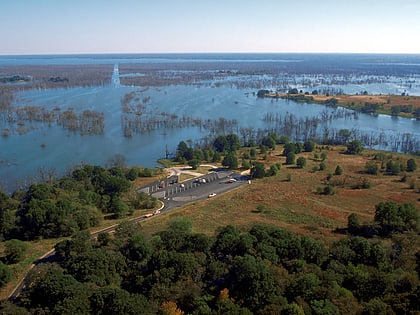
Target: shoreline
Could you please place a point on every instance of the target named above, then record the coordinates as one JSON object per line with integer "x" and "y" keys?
{"x": 393, "y": 105}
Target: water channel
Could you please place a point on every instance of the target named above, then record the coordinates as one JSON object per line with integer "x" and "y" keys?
{"x": 51, "y": 147}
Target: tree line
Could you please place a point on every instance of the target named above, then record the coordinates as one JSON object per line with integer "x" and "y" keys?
{"x": 263, "y": 270}
{"x": 72, "y": 203}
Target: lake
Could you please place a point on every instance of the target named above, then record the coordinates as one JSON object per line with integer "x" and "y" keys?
{"x": 219, "y": 97}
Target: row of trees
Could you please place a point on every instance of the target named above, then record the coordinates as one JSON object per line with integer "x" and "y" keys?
{"x": 265, "y": 270}
{"x": 73, "y": 203}
{"x": 389, "y": 218}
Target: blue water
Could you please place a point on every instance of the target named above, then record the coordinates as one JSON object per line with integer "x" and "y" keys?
{"x": 51, "y": 147}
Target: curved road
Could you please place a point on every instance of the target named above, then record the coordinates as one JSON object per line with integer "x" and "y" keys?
{"x": 172, "y": 195}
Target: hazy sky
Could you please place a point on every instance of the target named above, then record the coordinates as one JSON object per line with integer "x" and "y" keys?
{"x": 142, "y": 26}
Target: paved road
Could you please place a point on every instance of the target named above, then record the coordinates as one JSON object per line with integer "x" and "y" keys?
{"x": 216, "y": 183}
{"x": 173, "y": 195}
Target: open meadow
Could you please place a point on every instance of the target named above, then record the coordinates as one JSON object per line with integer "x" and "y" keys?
{"x": 292, "y": 200}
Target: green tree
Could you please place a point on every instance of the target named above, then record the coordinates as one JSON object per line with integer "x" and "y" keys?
{"x": 245, "y": 164}
{"x": 304, "y": 286}
{"x": 269, "y": 142}
{"x": 353, "y": 224}
{"x": 273, "y": 171}
{"x": 58, "y": 292}
{"x": 233, "y": 142}
{"x": 411, "y": 165}
{"x": 7, "y": 217}
{"x": 338, "y": 170}
{"x": 293, "y": 309}
{"x": 324, "y": 307}
{"x": 98, "y": 266}
{"x": 183, "y": 152}
{"x": 119, "y": 208}
{"x": 290, "y": 158}
{"x": 253, "y": 153}
{"x": 371, "y": 167}
{"x": 220, "y": 144}
{"x": 230, "y": 161}
{"x": 289, "y": 147}
{"x": 194, "y": 163}
{"x": 251, "y": 273}
{"x": 309, "y": 146}
{"x": 5, "y": 274}
{"x": 392, "y": 167}
{"x": 301, "y": 162}
{"x": 258, "y": 170}
{"x": 396, "y": 218}
{"x": 14, "y": 251}
{"x": 216, "y": 157}
{"x": 354, "y": 147}
{"x": 117, "y": 301}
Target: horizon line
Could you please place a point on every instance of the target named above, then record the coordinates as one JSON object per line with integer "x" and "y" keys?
{"x": 203, "y": 52}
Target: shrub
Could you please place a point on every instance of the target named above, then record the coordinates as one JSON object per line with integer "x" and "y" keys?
{"x": 327, "y": 190}
{"x": 5, "y": 274}
{"x": 290, "y": 158}
{"x": 338, "y": 170}
{"x": 15, "y": 251}
{"x": 393, "y": 168}
{"x": 322, "y": 166}
{"x": 301, "y": 162}
{"x": 411, "y": 165}
{"x": 309, "y": 146}
{"x": 354, "y": 147}
{"x": 371, "y": 168}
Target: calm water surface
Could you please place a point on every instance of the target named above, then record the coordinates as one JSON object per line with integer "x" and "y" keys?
{"x": 52, "y": 147}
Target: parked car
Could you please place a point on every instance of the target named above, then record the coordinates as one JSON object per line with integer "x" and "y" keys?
{"x": 212, "y": 195}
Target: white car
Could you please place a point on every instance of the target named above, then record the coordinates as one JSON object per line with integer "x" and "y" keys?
{"x": 212, "y": 195}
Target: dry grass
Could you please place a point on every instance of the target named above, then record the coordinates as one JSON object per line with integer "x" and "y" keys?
{"x": 295, "y": 204}
{"x": 386, "y": 100}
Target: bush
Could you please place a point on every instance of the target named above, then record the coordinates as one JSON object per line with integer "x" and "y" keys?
{"x": 393, "y": 168}
{"x": 411, "y": 165}
{"x": 273, "y": 171}
{"x": 301, "y": 162}
{"x": 14, "y": 251}
{"x": 322, "y": 166}
{"x": 371, "y": 168}
{"x": 338, "y": 170}
{"x": 194, "y": 163}
{"x": 309, "y": 146}
{"x": 5, "y": 274}
{"x": 354, "y": 147}
{"x": 290, "y": 158}
{"x": 327, "y": 190}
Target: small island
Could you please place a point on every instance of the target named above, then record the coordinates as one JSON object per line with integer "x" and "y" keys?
{"x": 394, "y": 105}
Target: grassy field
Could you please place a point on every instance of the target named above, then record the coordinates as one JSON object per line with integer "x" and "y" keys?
{"x": 295, "y": 204}
{"x": 356, "y": 102}
{"x": 289, "y": 200}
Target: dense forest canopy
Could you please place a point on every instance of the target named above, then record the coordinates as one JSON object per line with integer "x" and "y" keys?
{"x": 264, "y": 270}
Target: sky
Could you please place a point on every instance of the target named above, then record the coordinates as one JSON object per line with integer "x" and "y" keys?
{"x": 168, "y": 26}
